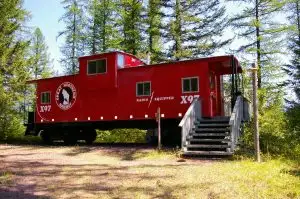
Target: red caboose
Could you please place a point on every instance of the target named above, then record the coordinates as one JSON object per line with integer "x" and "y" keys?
{"x": 117, "y": 90}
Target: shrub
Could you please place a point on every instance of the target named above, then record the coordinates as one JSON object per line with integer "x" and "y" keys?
{"x": 11, "y": 126}
{"x": 121, "y": 136}
{"x": 279, "y": 132}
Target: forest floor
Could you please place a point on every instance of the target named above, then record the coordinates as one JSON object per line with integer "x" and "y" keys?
{"x": 33, "y": 171}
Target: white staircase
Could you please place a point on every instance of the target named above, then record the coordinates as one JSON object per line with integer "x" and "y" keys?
{"x": 211, "y": 136}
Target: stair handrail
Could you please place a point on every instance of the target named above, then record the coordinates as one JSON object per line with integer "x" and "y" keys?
{"x": 236, "y": 121}
{"x": 188, "y": 121}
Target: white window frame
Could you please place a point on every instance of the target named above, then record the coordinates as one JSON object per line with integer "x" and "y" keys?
{"x": 49, "y": 97}
{"x": 189, "y": 78}
{"x": 136, "y": 89}
{"x": 87, "y": 66}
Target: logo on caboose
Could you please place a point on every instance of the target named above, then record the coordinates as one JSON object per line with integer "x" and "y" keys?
{"x": 65, "y": 95}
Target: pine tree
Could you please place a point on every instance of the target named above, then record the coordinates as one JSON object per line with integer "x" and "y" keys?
{"x": 153, "y": 31}
{"x": 13, "y": 65}
{"x": 73, "y": 47}
{"x": 263, "y": 35}
{"x": 195, "y": 28}
{"x": 131, "y": 25}
{"x": 293, "y": 69}
{"x": 40, "y": 57}
{"x": 102, "y": 34}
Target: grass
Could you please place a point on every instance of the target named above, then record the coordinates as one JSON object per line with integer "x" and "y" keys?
{"x": 124, "y": 172}
{"x": 22, "y": 139}
{"x": 157, "y": 155}
{"x": 223, "y": 179}
{"x": 248, "y": 179}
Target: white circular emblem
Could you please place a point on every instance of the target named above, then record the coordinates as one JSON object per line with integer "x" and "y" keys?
{"x": 65, "y": 95}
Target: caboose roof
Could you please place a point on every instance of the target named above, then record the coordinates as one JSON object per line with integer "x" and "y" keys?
{"x": 112, "y": 52}
{"x": 49, "y": 78}
{"x": 220, "y": 63}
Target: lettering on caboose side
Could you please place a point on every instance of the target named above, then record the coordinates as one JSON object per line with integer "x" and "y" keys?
{"x": 188, "y": 99}
{"x": 163, "y": 98}
{"x": 46, "y": 108}
{"x": 65, "y": 95}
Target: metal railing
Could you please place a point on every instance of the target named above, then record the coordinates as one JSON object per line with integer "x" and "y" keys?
{"x": 188, "y": 121}
{"x": 235, "y": 121}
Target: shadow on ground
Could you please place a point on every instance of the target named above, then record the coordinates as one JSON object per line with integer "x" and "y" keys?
{"x": 295, "y": 172}
{"x": 10, "y": 194}
{"x": 84, "y": 180}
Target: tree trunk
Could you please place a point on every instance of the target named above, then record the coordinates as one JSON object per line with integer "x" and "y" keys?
{"x": 94, "y": 36}
{"x": 104, "y": 47}
{"x": 133, "y": 28}
{"x": 258, "y": 53}
{"x": 298, "y": 19}
{"x": 73, "y": 43}
{"x": 177, "y": 31}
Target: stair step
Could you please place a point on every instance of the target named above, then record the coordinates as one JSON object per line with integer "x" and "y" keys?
{"x": 211, "y": 129}
{"x": 207, "y": 146}
{"x": 199, "y": 124}
{"x": 207, "y": 153}
{"x": 214, "y": 120}
{"x": 209, "y": 134}
{"x": 208, "y": 140}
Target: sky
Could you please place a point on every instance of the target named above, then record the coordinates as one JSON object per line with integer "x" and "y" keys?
{"x": 45, "y": 14}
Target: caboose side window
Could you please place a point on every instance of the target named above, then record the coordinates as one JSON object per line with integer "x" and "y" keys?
{"x": 45, "y": 97}
{"x": 97, "y": 67}
{"x": 190, "y": 84}
{"x": 143, "y": 88}
{"x": 120, "y": 61}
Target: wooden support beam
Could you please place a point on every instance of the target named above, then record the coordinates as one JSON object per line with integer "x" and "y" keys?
{"x": 158, "y": 128}
{"x": 255, "y": 112}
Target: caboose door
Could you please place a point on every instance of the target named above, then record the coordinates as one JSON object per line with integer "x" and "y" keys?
{"x": 213, "y": 94}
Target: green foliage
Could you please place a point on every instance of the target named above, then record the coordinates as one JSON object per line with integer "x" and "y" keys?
{"x": 154, "y": 24}
{"x": 73, "y": 34}
{"x": 293, "y": 82}
{"x": 279, "y": 132}
{"x": 293, "y": 128}
{"x": 102, "y": 33}
{"x": 39, "y": 54}
{"x": 131, "y": 25}
{"x": 273, "y": 129}
{"x": 263, "y": 36}
{"x": 122, "y": 136}
{"x": 11, "y": 125}
{"x": 293, "y": 69}
{"x": 195, "y": 28}
{"x": 13, "y": 65}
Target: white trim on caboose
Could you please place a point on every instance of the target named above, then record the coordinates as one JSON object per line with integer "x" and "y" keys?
{"x": 87, "y": 66}
{"x": 136, "y": 89}
{"x": 197, "y": 77}
{"x": 42, "y": 97}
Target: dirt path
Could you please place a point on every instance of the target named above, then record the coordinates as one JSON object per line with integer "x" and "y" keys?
{"x": 89, "y": 172}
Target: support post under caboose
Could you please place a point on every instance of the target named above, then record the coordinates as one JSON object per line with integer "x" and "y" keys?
{"x": 234, "y": 82}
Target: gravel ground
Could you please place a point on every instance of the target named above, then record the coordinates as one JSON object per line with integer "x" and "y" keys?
{"x": 88, "y": 171}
